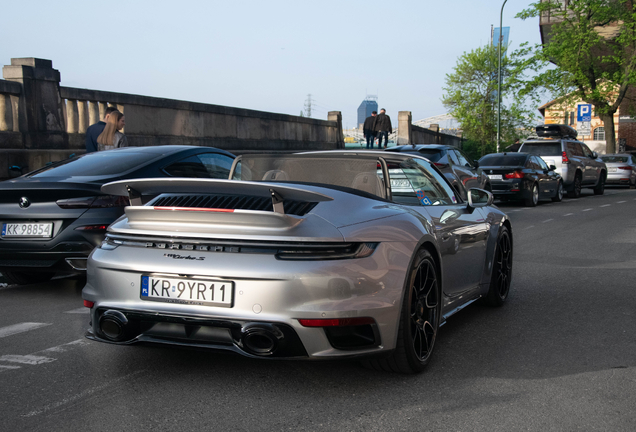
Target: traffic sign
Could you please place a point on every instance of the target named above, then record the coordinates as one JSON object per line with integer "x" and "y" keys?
{"x": 584, "y": 113}
{"x": 584, "y": 128}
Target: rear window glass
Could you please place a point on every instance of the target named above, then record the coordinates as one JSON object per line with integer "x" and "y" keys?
{"x": 503, "y": 160}
{"x": 96, "y": 164}
{"x": 614, "y": 159}
{"x": 432, "y": 155}
{"x": 542, "y": 149}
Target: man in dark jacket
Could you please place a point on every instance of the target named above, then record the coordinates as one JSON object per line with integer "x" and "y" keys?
{"x": 95, "y": 130}
{"x": 367, "y": 129}
{"x": 383, "y": 128}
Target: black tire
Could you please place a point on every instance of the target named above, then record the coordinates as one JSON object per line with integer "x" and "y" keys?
{"x": 576, "y": 187}
{"x": 26, "y": 278}
{"x": 419, "y": 320}
{"x": 559, "y": 193}
{"x": 600, "y": 187}
{"x": 533, "y": 199}
{"x": 501, "y": 270}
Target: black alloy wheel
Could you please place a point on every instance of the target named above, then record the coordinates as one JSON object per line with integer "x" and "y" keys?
{"x": 501, "y": 270}
{"x": 533, "y": 199}
{"x": 419, "y": 320}
{"x": 600, "y": 187}
{"x": 559, "y": 193}
{"x": 576, "y": 188}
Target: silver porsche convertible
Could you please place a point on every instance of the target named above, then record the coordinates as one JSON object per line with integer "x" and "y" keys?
{"x": 318, "y": 255}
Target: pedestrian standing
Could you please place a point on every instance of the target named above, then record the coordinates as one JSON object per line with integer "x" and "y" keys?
{"x": 111, "y": 137}
{"x": 383, "y": 128}
{"x": 368, "y": 129}
{"x": 95, "y": 130}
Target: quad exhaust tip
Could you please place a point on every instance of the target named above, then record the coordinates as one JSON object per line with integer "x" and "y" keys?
{"x": 261, "y": 339}
{"x": 113, "y": 324}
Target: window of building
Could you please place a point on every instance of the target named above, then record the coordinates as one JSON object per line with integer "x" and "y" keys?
{"x": 599, "y": 133}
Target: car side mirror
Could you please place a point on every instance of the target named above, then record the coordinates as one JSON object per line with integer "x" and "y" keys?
{"x": 594, "y": 155}
{"x": 552, "y": 167}
{"x": 479, "y": 198}
{"x": 476, "y": 163}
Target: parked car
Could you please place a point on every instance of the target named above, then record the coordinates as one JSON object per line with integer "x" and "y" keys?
{"x": 462, "y": 173}
{"x": 621, "y": 169}
{"x": 522, "y": 176}
{"x": 52, "y": 218}
{"x": 578, "y": 166}
{"x": 309, "y": 255}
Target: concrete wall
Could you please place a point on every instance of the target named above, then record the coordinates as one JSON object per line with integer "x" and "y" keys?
{"x": 408, "y": 133}
{"x": 40, "y": 121}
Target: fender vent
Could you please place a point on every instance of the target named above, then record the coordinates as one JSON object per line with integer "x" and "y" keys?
{"x": 236, "y": 202}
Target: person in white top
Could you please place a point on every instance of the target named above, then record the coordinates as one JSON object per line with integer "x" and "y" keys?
{"x": 111, "y": 137}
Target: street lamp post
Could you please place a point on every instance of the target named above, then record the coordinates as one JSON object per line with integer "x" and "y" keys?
{"x": 499, "y": 76}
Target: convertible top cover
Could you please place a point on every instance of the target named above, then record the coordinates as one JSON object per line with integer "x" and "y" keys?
{"x": 351, "y": 172}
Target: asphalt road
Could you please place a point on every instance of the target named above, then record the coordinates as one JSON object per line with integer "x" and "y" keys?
{"x": 560, "y": 355}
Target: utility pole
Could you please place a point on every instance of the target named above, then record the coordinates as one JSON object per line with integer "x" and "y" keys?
{"x": 499, "y": 76}
{"x": 308, "y": 106}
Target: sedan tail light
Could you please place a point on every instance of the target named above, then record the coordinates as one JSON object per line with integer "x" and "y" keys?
{"x": 564, "y": 158}
{"x": 514, "y": 175}
{"x": 102, "y": 201}
{"x": 628, "y": 168}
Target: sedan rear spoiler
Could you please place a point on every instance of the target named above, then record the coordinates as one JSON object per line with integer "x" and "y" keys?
{"x": 278, "y": 193}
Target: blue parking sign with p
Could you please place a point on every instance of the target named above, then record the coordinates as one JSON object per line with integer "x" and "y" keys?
{"x": 584, "y": 113}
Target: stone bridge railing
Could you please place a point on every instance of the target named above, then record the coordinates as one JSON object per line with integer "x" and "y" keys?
{"x": 40, "y": 121}
{"x": 408, "y": 133}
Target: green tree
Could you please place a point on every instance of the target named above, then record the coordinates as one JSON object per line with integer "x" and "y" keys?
{"x": 470, "y": 94}
{"x": 593, "y": 42}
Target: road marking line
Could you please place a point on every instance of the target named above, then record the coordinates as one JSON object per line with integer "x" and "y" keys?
{"x": 26, "y": 359}
{"x": 35, "y": 359}
{"x": 527, "y": 228}
{"x": 547, "y": 220}
{"x": 621, "y": 202}
{"x": 587, "y": 209}
{"x": 81, "y": 395}
{"x": 81, "y": 310}
{"x": 5, "y": 368}
{"x": 516, "y": 210}
{"x": 20, "y": 328}
{"x": 606, "y": 205}
{"x": 65, "y": 347}
{"x": 568, "y": 214}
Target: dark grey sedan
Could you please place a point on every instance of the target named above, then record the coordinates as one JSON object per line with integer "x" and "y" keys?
{"x": 52, "y": 218}
{"x": 522, "y": 176}
{"x": 462, "y": 172}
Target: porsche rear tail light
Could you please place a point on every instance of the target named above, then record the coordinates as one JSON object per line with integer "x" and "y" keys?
{"x": 518, "y": 174}
{"x": 89, "y": 304}
{"x": 102, "y": 201}
{"x": 625, "y": 168}
{"x": 336, "y": 322}
{"x": 564, "y": 158}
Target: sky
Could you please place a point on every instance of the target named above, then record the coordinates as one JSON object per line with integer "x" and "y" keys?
{"x": 259, "y": 55}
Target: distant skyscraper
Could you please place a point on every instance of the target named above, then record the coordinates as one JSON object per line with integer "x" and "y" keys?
{"x": 368, "y": 105}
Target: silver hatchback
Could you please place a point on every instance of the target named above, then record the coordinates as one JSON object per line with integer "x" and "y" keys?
{"x": 621, "y": 169}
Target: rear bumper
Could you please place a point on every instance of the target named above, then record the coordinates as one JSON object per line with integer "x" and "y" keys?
{"x": 268, "y": 294}
{"x": 510, "y": 189}
{"x": 619, "y": 178}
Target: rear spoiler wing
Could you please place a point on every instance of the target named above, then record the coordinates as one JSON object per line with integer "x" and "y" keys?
{"x": 278, "y": 193}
